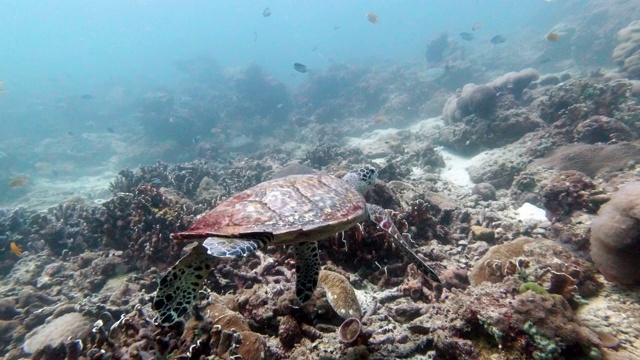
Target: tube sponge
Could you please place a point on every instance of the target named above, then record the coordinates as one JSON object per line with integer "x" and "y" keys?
{"x": 615, "y": 236}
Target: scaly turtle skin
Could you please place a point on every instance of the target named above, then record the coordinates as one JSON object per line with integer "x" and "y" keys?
{"x": 297, "y": 210}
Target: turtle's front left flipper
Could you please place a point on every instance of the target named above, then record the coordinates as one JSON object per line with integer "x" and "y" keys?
{"x": 179, "y": 287}
{"x": 378, "y": 215}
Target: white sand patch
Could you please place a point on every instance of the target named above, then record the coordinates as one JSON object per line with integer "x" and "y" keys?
{"x": 380, "y": 135}
{"x": 456, "y": 167}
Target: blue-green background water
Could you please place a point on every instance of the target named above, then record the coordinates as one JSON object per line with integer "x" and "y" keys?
{"x": 54, "y": 51}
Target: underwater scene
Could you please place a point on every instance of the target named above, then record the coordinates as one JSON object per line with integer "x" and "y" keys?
{"x": 331, "y": 179}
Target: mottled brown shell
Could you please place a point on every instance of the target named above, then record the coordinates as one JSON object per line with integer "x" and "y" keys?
{"x": 293, "y": 208}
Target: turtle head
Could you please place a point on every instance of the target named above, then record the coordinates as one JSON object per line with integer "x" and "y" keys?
{"x": 361, "y": 179}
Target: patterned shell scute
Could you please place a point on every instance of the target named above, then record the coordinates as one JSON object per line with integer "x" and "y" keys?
{"x": 286, "y": 204}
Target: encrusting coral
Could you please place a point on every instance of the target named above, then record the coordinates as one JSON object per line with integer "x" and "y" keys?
{"x": 615, "y": 236}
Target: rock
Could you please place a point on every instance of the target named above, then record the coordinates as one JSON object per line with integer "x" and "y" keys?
{"x": 485, "y": 190}
{"x": 55, "y": 332}
{"x": 482, "y": 233}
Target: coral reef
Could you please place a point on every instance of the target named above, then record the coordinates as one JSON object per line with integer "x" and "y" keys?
{"x": 474, "y": 99}
{"x": 591, "y": 160}
{"x": 627, "y": 53}
{"x": 491, "y": 115}
{"x": 514, "y": 284}
{"x": 568, "y": 104}
{"x": 536, "y": 260}
{"x": 570, "y": 191}
{"x": 615, "y": 237}
{"x": 515, "y": 82}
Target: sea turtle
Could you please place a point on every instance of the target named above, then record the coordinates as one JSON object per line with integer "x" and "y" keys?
{"x": 296, "y": 209}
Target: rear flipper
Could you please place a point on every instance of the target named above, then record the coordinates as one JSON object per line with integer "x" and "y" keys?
{"x": 179, "y": 287}
{"x": 307, "y": 269}
{"x": 378, "y": 215}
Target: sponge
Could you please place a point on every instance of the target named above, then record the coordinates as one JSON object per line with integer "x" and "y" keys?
{"x": 615, "y": 236}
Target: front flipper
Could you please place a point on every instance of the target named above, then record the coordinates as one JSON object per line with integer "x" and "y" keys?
{"x": 307, "y": 269}
{"x": 229, "y": 247}
{"x": 179, "y": 287}
{"x": 378, "y": 215}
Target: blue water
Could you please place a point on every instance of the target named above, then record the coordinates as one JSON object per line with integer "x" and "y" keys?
{"x": 56, "y": 49}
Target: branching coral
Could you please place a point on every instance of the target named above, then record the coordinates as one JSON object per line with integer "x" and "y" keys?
{"x": 142, "y": 222}
{"x": 615, "y": 236}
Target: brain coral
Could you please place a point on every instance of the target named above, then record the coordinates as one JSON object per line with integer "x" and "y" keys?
{"x": 627, "y": 53}
{"x": 615, "y": 236}
{"x": 591, "y": 159}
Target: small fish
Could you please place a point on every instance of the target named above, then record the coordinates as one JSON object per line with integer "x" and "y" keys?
{"x": 380, "y": 119}
{"x": 15, "y": 249}
{"x": 302, "y": 121}
{"x": 110, "y": 129}
{"x": 466, "y": 36}
{"x": 553, "y": 36}
{"x": 266, "y": 12}
{"x": 373, "y": 18}
{"x": 498, "y": 39}
{"x": 18, "y": 181}
{"x": 433, "y": 73}
{"x": 300, "y": 67}
{"x": 156, "y": 181}
{"x": 255, "y": 36}
{"x": 476, "y": 26}
{"x": 337, "y": 27}
{"x": 70, "y": 133}
{"x": 86, "y": 96}
{"x": 545, "y": 60}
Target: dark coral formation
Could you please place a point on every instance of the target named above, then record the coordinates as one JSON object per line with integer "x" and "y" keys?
{"x": 491, "y": 115}
{"x": 570, "y": 191}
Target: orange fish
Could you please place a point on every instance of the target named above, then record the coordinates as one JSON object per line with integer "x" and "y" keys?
{"x": 19, "y": 181}
{"x": 476, "y": 26}
{"x": 16, "y": 249}
{"x": 553, "y": 36}
{"x": 373, "y": 18}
